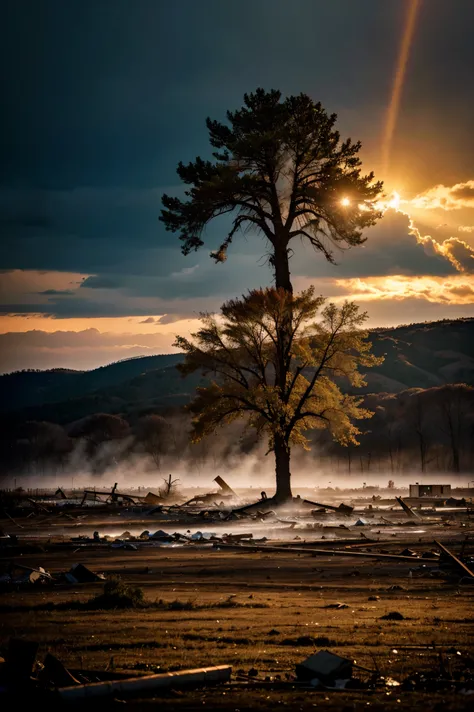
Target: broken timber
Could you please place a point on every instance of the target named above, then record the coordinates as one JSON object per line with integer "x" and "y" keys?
{"x": 342, "y": 508}
{"x": 460, "y": 564}
{"x": 37, "y": 505}
{"x": 139, "y": 685}
{"x": 14, "y": 521}
{"x": 112, "y": 496}
{"x": 225, "y": 487}
{"x": 324, "y": 552}
{"x": 408, "y": 510}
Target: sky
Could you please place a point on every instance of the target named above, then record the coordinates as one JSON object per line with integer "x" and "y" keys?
{"x": 102, "y": 98}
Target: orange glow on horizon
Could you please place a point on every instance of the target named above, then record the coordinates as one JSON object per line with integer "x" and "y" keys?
{"x": 111, "y": 325}
{"x": 456, "y": 289}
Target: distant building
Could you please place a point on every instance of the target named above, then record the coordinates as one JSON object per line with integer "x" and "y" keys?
{"x": 418, "y": 490}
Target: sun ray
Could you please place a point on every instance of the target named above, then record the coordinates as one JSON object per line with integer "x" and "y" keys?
{"x": 398, "y": 82}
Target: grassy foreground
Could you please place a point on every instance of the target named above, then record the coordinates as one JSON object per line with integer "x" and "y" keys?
{"x": 265, "y": 612}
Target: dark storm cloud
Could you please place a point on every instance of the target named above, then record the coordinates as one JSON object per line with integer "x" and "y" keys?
{"x": 390, "y": 249}
{"x": 146, "y": 283}
{"x": 102, "y": 99}
{"x": 101, "y": 93}
{"x": 75, "y": 308}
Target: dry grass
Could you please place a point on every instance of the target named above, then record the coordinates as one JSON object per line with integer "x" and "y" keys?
{"x": 253, "y": 610}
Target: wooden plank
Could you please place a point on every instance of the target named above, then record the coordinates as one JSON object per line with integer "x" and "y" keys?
{"x": 324, "y": 552}
{"x": 320, "y": 543}
{"x": 455, "y": 559}
{"x": 139, "y": 685}
{"x": 342, "y": 508}
{"x": 225, "y": 487}
{"x": 408, "y": 510}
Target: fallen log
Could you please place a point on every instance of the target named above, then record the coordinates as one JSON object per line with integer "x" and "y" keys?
{"x": 324, "y": 552}
{"x": 139, "y": 685}
{"x": 460, "y": 564}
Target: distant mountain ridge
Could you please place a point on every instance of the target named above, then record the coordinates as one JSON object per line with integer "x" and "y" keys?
{"x": 22, "y": 389}
{"x": 416, "y": 356}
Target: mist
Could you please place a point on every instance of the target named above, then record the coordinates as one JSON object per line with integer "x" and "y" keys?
{"x": 417, "y": 435}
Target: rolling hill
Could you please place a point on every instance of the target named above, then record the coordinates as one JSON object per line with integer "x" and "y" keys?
{"x": 417, "y": 355}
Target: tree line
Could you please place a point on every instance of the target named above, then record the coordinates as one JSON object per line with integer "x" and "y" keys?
{"x": 417, "y": 430}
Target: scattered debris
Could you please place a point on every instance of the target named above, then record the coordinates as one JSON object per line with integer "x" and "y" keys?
{"x": 325, "y": 667}
{"x": 134, "y": 686}
{"x": 457, "y": 562}
{"x": 81, "y": 574}
{"x": 54, "y": 673}
{"x": 21, "y": 656}
{"x": 18, "y": 575}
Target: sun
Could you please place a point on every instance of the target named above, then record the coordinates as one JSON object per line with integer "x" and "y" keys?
{"x": 394, "y": 201}
{"x": 345, "y": 202}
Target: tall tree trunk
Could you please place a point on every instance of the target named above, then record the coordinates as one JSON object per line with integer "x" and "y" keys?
{"x": 281, "y": 265}
{"x": 282, "y": 451}
{"x": 282, "y": 469}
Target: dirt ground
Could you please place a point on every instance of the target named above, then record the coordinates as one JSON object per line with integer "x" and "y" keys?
{"x": 266, "y": 611}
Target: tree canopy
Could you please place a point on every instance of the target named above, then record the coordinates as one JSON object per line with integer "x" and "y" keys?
{"x": 284, "y": 384}
{"x": 280, "y": 169}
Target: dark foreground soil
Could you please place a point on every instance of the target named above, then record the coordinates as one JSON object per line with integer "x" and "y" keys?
{"x": 266, "y": 611}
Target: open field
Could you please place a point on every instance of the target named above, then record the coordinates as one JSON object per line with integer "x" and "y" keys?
{"x": 266, "y": 611}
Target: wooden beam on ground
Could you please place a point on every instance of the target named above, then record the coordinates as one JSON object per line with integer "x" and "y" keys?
{"x": 38, "y": 505}
{"x": 342, "y": 508}
{"x": 408, "y": 510}
{"x": 14, "y": 521}
{"x": 224, "y": 486}
{"x": 460, "y": 564}
{"x": 319, "y": 543}
{"x": 323, "y": 552}
{"x": 135, "y": 686}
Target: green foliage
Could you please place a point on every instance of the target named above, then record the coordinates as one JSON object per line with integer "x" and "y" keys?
{"x": 118, "y": 594}
{"x": 281, "y": 169}
{"x": 283, "y": 381}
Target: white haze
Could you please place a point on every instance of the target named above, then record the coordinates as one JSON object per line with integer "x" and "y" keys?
{"x": 255, "y": 471}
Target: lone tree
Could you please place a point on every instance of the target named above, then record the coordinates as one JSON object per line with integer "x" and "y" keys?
{"x": 281, "y": 170}
{"x": 245, "y": 351}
